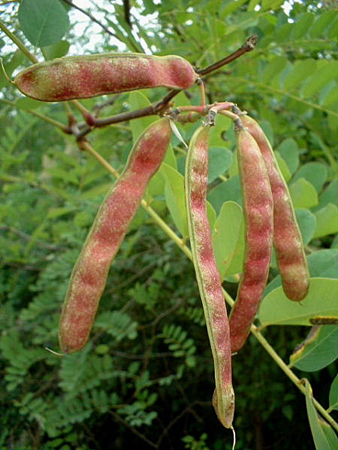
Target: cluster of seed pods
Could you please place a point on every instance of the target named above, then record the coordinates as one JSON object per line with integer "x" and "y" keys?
{"x": 268, "y": 212}
{"x": 269, "y": 215}
{"x": 269, "y": 219}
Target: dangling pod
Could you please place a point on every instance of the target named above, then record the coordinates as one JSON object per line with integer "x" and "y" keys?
{"x": 89, "y": 275}
{"x": 258, "y": 215}
{"x": 209, "y": 282}
{"x": 288, "y": 242}
{"x": 75, "y": 77}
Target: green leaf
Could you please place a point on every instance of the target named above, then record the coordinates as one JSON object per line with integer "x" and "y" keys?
{"x": 324, "y": 263}
{"x": 323, "y": 23}
{"x": 57, "y": 212}
{"x": 329, "y": 433}
{"x": 327, "y": 221}
{"x": 333, "y": 396}
{"x": 211, "y": 213}
{"x": 175, "y": 198}
{"x": 307, "y": 224}
{"x": 156, "y": 185}
{"x": 43, "y": 22}
{"x": 303, "y": 194}
{"x": 300, "y": 71}
{"x": 271, "y": 4}
{"x": 277, "y": 309}
{"x": 228, "y": 239}
{"x": 288, "y": 149}
{"x": 64, "y": 175}
{"x": 229, "y": 190}
{"x": 223, "y": 124}
{"x": 331, "y": 98}
{"x": 329, "y": 195}
{"x": 283, "y": 32}
{"x": 219, "y": 161}
{"x": 283, "y": 167}
{"x": 302, "y": 25}
{"x": 56, "y": 50}
{"x": 273, "y": 69}
{"x": 318, "y": 434}
{"x": 318, "y": 350}
{"x": 326, "y": 73}
{"x": 138, "y": 100}
{"x": 314, "y": 172}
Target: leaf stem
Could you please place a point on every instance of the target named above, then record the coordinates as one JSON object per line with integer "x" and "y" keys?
{"x": 18, "y": 43}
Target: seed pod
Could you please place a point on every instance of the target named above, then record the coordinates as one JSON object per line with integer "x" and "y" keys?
{"x": 89, "y": 275}
{"x": 91, "y": 75}
{"x": 209, "y": 282}
{"x": 258, "y": 215}
{"x": 288, "y": 241}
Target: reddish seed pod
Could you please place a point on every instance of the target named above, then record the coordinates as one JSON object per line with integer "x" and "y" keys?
{"x": 288, "y": 241}
{"x": 209, "y": 281}
{"x": 91, "y": 75}
{"x": 258, "y": 215}
{"x": 89, "y": 275}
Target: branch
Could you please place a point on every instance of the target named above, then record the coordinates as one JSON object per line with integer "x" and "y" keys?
{"x": 153, "y": 109}
{"x": 248, "y": 46}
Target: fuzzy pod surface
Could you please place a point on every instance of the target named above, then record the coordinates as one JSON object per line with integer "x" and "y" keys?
{"x": 258, "y": 217}
{"x": 74, "y": 77}
{"x": 114, "y": 216}
{"x": 288, "y": 241}
{"x": 208, "y": 278}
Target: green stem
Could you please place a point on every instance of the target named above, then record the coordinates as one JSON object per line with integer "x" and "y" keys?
{"x": 18, "y": 43}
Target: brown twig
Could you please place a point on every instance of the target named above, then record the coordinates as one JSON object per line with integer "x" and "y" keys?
{"x": 248, "y": 46}
{"x": 153, "y": 109}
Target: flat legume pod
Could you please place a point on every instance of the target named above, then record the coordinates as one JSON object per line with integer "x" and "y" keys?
{"x": 258, "y": 215}
{"x": 89, "y": 275}
{"x": 75, "y": 77}
{"x": 209, "y": 282}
